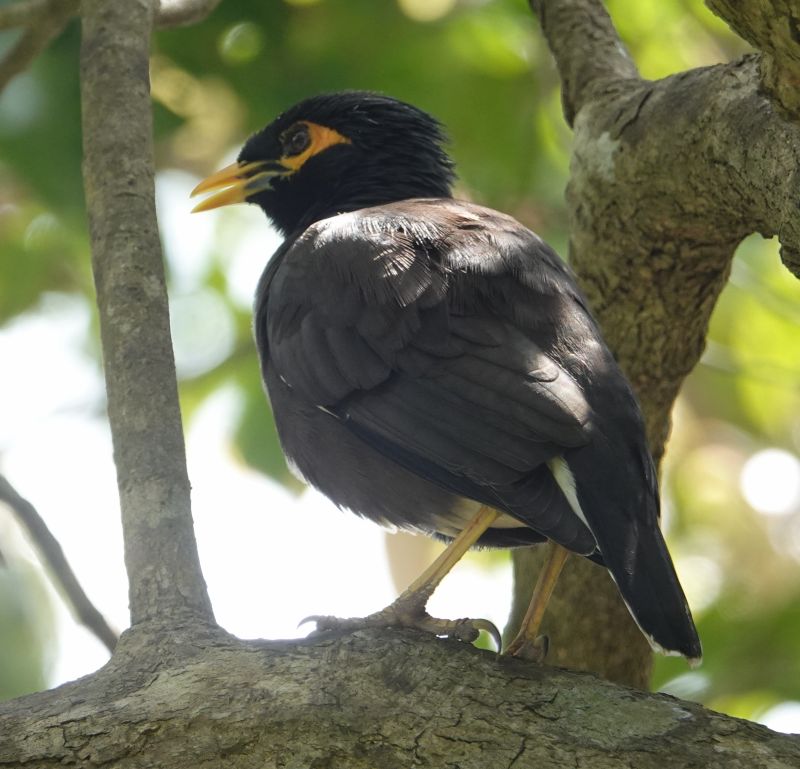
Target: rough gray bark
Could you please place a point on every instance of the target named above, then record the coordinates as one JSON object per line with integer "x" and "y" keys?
{"x": 178, "y": 691}
{"x": 366, "y": 701}
{"x": 666, "y": 179}
{"x": 160, "y": 551}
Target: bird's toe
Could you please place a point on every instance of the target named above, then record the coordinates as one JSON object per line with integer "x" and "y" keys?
{"x": 400, "y": 614}
{"x": 525, "y": 648}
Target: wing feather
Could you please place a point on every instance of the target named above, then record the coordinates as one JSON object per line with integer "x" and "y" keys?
{"x": 394, "y": 329}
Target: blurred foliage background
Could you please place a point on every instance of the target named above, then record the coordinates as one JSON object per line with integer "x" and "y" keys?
{"x": 732, "y": 474}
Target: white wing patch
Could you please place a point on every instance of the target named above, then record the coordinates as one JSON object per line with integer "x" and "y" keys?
{"x": 566, "y": 482}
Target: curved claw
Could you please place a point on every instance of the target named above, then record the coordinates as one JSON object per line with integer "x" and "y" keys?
{"x": 325, "y": 622}
{"x": 491, "y": 629}
{"x": 311, "y": 618}
{"x": 466, "y": 630}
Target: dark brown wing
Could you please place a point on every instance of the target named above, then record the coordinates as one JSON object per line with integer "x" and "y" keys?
{"x": 386, "y": 319}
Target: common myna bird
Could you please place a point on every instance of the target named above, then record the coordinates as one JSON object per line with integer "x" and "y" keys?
{"x": 433, "y": 366}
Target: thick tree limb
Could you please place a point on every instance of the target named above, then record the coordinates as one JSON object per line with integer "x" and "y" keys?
{"x": 667, "y": 178}
{"x": 61, "y": 572}
{"x": 160, "y": 550}
{"x": 373, "y": 700}
{"x": 657, "y": 247}
{"x": 579, "y": 31}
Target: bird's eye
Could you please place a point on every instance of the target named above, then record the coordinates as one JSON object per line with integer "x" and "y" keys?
{"x": 296, "y": 139}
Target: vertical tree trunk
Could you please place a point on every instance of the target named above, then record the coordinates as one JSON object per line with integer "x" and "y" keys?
{"x": 166, "y": 583}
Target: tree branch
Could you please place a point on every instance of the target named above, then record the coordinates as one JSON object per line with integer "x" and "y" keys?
{"x": 726, "y": 170}
{"x": 51, "y": 553}
{"x": 160, "y": 550}
{"x": 774, "y": 29}
{"x": 45, "y": 21}
{"x": 372, "y": 700}
{"x": 590, "y": 57}
{"x": 657, "y": 247}
{"x": 24, "y": 12}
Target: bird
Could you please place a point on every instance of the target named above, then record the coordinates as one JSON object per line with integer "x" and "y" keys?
{"x": 432, "y": 365}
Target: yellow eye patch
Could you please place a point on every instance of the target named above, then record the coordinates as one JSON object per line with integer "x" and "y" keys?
{"x": 321, "y": 138}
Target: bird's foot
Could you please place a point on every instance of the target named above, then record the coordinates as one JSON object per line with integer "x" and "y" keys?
{"x": 527, "y": 648}
{"x": 410, "y": 614}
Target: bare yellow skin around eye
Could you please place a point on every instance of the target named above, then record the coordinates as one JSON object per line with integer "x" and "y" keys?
{"x": 322, "y": 138}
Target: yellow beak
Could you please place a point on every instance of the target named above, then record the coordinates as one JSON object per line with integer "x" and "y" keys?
{"x": 237, "y": 182}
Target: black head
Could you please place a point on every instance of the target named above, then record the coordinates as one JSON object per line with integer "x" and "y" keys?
{"x": 334, "y": 153}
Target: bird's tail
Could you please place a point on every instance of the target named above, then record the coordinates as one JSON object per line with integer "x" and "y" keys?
{"x": 654, "y": 596}
{"x": 625, "y": 525}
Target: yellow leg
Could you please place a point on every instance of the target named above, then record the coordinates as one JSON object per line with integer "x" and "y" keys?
{"x": 409, "y": 608}
{"x": 429, "y": 580}
{"x": 526, "y": 643}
